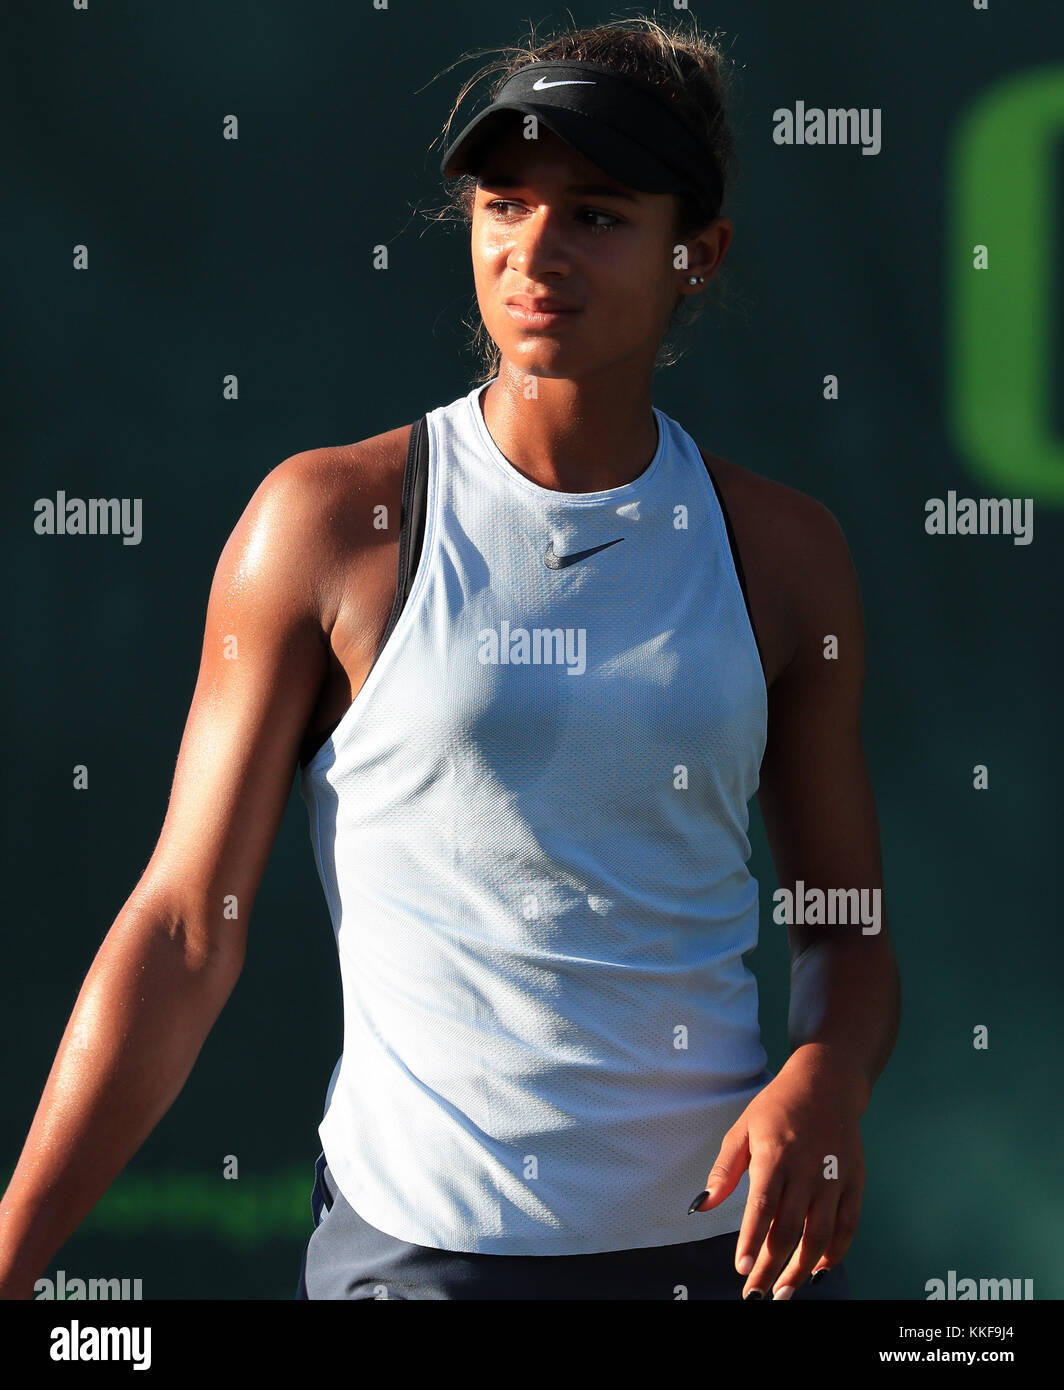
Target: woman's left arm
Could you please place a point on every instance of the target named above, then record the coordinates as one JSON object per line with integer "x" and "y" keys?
{"x": 800, "y": 1136}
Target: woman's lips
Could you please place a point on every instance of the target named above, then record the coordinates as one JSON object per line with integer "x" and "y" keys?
{"x": 539, "y": 318}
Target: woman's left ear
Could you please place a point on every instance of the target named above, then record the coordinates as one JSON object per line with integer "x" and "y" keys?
{"x": 706, "y": 252}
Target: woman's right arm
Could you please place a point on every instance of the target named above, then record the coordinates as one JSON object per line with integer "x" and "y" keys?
{"x": 170, "y": 960}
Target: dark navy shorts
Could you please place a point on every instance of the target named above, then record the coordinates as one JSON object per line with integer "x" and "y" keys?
{"x": 346, "y": 1257}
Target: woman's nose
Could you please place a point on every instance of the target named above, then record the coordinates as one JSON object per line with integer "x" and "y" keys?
{"x": 539, "y": 245}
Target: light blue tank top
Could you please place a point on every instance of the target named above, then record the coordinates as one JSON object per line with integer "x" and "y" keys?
{"x": 531, "y": 829}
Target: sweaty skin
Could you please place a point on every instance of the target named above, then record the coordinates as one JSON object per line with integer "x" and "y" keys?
{"x": 300, "y": 599}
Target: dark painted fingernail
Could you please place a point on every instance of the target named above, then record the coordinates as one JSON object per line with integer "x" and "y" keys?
{"x": 817, "y": 1274}
{"x": 754, "y": 1293}
{"x": 697, "y": 1203}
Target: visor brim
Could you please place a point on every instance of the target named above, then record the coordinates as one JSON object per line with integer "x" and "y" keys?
{"x": 610, "y": 150}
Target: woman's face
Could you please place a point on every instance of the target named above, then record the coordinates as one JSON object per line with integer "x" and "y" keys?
{"x": 550, "y": 225}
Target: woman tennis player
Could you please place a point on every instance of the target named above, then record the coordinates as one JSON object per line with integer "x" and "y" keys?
{"x": 530, "y": 720}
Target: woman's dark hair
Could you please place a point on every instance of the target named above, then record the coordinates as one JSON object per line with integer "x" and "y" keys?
{"x": 687, "y": 67}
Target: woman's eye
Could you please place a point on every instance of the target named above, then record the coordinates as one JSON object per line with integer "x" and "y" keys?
{"x": 610, "y": 224}
{"x": 498, "y": 204}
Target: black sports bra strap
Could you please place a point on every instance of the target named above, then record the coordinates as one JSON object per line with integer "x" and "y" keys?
{"x": 419, "y": 448}
{"x": 736, "y": 558}
{"x": 411, "y": 520}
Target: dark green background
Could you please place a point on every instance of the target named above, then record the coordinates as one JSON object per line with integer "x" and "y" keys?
{"x": 254, "y": 257}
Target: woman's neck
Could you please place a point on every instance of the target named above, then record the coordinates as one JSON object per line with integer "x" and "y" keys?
{"x": 572, "y": 436}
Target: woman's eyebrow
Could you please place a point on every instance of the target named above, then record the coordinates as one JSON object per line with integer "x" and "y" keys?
{"x": 594, "y": 190}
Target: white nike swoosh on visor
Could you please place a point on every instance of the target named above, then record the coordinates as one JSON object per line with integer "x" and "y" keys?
{"x": 542, "y": 82}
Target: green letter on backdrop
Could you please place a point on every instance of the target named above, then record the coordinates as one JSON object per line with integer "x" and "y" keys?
{"x": 1001, "y": 367}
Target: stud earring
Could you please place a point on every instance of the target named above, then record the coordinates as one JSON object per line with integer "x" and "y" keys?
{"x": 696, "y": 279}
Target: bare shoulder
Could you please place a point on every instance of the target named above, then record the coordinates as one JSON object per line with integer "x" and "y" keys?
{"x": 768, "y": 509}
{"x": 319, "y": 510}
{"x": 321, "y": 482}
{"x": 799, "y": 570}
